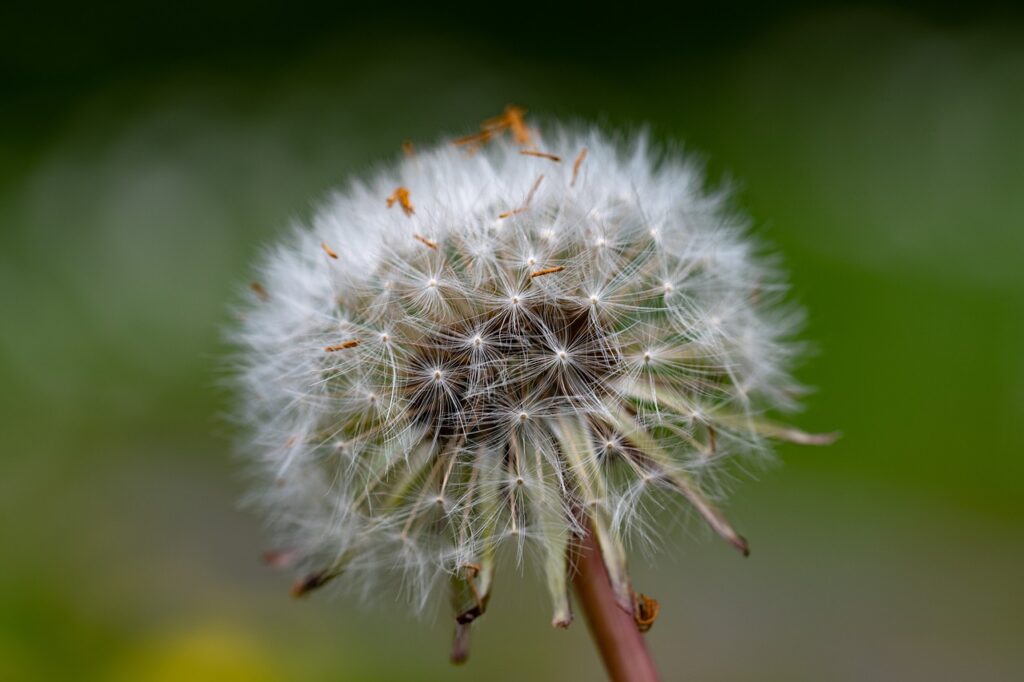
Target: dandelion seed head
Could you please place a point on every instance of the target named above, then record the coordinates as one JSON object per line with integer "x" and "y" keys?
{"x": 498, "y": 405}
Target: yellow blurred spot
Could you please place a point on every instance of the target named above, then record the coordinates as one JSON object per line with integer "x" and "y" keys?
{"x": 207, "y": 654}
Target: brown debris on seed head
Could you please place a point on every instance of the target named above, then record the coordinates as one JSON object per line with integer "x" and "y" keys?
{"x": 430, "y": 243}
{"x": 342, "y": 346}
{"x": 645, "y": 611}
{"x": 401, "y": 197}
{"x": 475, "y": 141}
{"x": 576, "y": 166}
{"x": 511, "y": 120}
{"x": 547, "y": 271}
{"x": 260, "y": 292}
{"x": 540, "y": 155}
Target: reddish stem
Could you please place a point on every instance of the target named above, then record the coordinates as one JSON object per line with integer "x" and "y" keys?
{"x": 612, "y": 627}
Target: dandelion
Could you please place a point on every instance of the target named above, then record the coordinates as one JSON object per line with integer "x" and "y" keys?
{"x": 467, "y": 380}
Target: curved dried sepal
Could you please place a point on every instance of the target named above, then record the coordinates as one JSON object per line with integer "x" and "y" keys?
{"x": 774, "y": 430}
{"x": 791, "y": 435}
{"x": 710, "y": 513}
{"x": 762, "y": 427}
{"x": 317, "y": 579}
{"x": 312, "y": 581}
{"x": 646, "y": 444}
{"x": 471, "y": 589}
{"x": 485, "y": 576}
{"x": 556, "y": 569}
{"x": 614, "y": 554}
{"x": 555, "y": 548}
{"x": 460, "y": 644}
{"x": 417, "y": 469}
{"x": 578, "y": 450}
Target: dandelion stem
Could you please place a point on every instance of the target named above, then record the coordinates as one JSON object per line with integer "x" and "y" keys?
{"x": 612, "y": 627}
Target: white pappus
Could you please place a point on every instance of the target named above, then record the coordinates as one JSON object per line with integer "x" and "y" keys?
{"x": 505, "y": 342}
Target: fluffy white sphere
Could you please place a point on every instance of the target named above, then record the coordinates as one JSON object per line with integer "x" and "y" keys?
{"x": 514, "y": 345}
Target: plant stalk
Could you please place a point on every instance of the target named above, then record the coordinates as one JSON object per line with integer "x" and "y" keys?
{"x": 622, "y": 646}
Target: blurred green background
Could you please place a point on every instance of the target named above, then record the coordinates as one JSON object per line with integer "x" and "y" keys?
{"x": 147, "y": 154}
